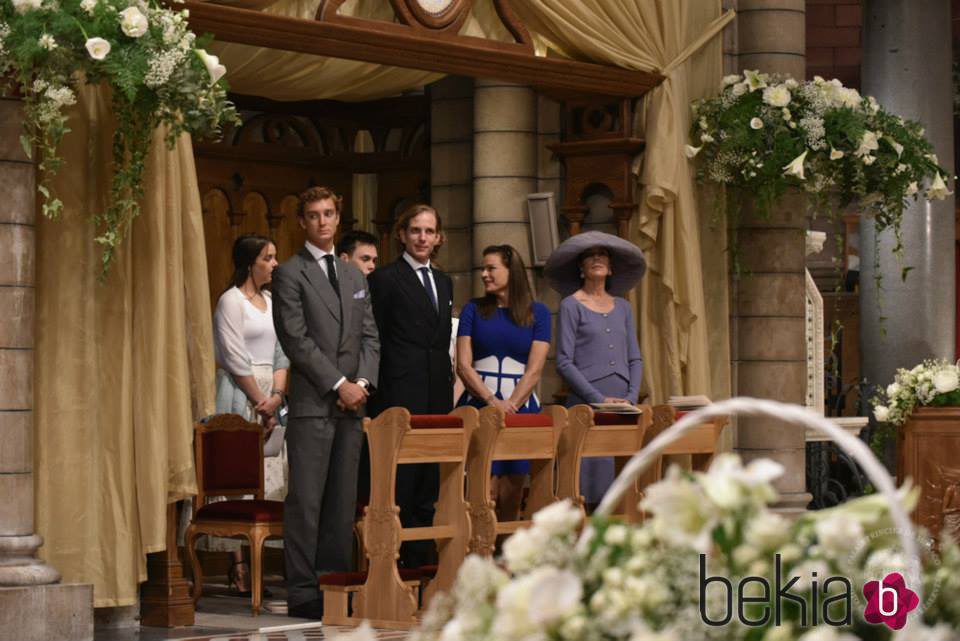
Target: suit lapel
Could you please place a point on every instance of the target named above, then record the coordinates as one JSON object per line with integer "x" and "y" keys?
{"x": 410, "y": 281}
{"x": 318, "y": 279}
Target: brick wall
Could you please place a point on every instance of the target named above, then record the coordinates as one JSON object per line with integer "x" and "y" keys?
{"x": 833, "y": 40}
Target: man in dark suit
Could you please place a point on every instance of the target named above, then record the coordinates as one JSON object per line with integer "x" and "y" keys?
{"x": 324, "y": 321}
{"x": 412, "y": 302}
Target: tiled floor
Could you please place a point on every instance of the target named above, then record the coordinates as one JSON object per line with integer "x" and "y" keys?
{"x": 221, "y": 617}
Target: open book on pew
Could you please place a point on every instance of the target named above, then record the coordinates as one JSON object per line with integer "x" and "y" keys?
{"x": 688, "y": 403}
{"x": 615, "y": 408}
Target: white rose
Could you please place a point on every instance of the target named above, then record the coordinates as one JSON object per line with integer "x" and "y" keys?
{"x": 554, "y": 595}
{"x": 795, "y": 167}
{"x": 132, "y": 22}
{"x": 690, "y": 151}
{"x": 839, "y": 534}
{"x": 938, "y": 190}
{"x": 88, "y": 5}
{"x": 732, "y": 79}
{"x": 893, "y": 389}
{"x": 946, "y": 380}
{"x": 868, "y": 142}
{"x": 558, "y": 518}
{"x": 786, "y": 114}
{"x": 98, "y": 48}
{"x": 776, "y": 96}
{"x": 835, "y": 154}
{"x": 740, "y": 88}
{"x": 881, "y": 413}
{"x": 212, "y": 63}
{"x": 22, "y": 6}
{"x": 791, "y": 83}
{"x": 756, "y": 123}
{"x": 849, "y": 98}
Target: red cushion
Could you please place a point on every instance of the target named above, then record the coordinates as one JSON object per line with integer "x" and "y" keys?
{"x": 349, "y": 579}
{"x": 528, "y": 420}
{"x": 610, "y": 418}
{"x": 254, "y": 510}
{"x": 428, "y": 571}
{"x": 435, "y": 422}
{"x": 231, "y": 460}
{"x": 680, "y": 414}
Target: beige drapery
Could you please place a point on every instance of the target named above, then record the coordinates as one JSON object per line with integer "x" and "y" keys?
{"x": 677, "y": 38}
{"x": 122, "y": 367}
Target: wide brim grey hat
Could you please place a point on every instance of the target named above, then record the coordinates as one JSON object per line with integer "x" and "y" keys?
{"x": 562, "y": 270}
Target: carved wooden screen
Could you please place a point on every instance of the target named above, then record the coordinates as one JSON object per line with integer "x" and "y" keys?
{"x": 249, "y": 181}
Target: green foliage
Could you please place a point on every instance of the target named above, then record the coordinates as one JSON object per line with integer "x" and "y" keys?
{"x": 764, "y": 134}
{"x": 144, "y": 52}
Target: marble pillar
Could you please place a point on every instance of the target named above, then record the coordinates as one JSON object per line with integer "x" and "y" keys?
{"x": 906, "y": 67}
{"x": 767, "y": 328}
{"x": 33, "y": 605}
{"x": 451, "y": 178}
{"x": 504, "y": 167}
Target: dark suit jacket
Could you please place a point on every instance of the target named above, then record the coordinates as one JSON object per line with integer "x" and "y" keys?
{"x": 323, "y": 337}
{"x": 415, "y": 370}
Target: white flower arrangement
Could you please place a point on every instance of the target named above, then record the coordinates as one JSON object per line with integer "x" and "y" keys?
{"x": 932, "y": 382}
{"x": 766, "y": 133}
{"x": 643, "y": 582}
{"x": 144, "y": 51}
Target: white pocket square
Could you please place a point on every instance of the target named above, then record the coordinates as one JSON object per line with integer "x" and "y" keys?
{"x": 361, "y": 294}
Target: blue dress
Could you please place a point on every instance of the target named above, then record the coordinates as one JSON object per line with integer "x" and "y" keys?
{"x": 500, "y": 352}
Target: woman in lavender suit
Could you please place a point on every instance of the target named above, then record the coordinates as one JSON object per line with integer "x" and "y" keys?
{"x": 598, "y": 355}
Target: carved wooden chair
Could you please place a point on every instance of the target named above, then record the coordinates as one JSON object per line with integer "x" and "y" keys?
{"x": 229, "y": 462}
{"x": 701, "y": 443}
{"x": 600, "y": 434}
{"x": 511, "y": 437}
{"x": 386, "y": 595}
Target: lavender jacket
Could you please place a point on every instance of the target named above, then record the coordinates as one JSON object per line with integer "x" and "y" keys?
{"x": 592, "y": 345}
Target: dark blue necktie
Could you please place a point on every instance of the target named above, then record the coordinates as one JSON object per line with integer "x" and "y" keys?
{"x": 428, "y": 285}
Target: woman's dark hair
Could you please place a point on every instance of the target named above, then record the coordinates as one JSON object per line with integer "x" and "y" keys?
{"x": 520, "y": 309}
{"x": 245, "y": 252}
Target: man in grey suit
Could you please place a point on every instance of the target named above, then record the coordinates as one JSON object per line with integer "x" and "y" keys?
{"x": 325, "y": 324}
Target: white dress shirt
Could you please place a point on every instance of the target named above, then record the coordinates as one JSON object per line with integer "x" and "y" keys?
{"x": 417, "y": 266}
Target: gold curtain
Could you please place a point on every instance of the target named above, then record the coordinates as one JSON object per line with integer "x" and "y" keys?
{"x": 122, "y": 367}
{"x": 678, "y": 39}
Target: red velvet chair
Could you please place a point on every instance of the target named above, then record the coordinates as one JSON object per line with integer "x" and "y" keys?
{"x": 229, "y": 461}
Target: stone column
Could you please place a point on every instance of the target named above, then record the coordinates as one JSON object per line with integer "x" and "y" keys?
{"x": 504, "y": 167}
{"x": 768, "y": 330}
{"x": 451, "y": 177}
{"x": 549, "y": 179}
{"x": 906, "y": 66}
{"x": 32, "y": 605}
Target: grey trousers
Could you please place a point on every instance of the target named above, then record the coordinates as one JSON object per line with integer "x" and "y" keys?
{"x": 323, "y": 456}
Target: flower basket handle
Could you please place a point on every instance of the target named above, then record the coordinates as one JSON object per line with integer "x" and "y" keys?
{"x": 793, "y": 415}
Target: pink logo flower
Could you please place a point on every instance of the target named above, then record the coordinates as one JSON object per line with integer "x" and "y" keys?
{"x": 889, "y": 601}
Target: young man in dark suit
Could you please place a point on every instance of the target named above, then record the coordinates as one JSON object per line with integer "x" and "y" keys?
{"x": 324, "y": 321}
{"x": 412, "y": 303}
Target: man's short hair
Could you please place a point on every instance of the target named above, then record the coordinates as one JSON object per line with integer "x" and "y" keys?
{"x": 349, "y": 241}
{"x": 313, "y": 194}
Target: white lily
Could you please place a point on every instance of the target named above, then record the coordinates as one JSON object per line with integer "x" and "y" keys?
{"x": 938, "y": 190}
{"x": 754, "y": 79}
{"x": 691, "y": 151}
{"x": 98, "y": 48}
{"x": 212, "y": 63}
{"x": 795, "y": 168}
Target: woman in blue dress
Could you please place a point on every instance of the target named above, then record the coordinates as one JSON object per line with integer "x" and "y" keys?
{"x": 502, "y": 345}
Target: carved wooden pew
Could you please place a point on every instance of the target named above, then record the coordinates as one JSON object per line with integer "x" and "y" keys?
{"x": 600, "y": 434}
{"x": 384, "y": 594}
{"x": 510, "y": 437}
{"x": 701, "y": 443}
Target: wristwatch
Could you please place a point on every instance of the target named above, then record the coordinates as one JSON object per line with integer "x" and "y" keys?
{"x": 362, "y": 382}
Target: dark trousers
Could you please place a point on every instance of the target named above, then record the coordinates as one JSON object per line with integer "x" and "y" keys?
{"x": 418, "y": 486}
{"x": 323, "y": 455}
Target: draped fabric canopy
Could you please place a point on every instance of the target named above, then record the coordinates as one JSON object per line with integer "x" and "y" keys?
{"x": 124, "y": 367}
{"x": 678, "y": 39}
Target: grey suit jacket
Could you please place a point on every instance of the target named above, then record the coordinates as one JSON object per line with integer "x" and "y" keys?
{"x": 323, "y": 337}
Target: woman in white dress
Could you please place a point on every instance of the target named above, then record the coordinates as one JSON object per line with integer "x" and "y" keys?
{"x": 251, "y": 369}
